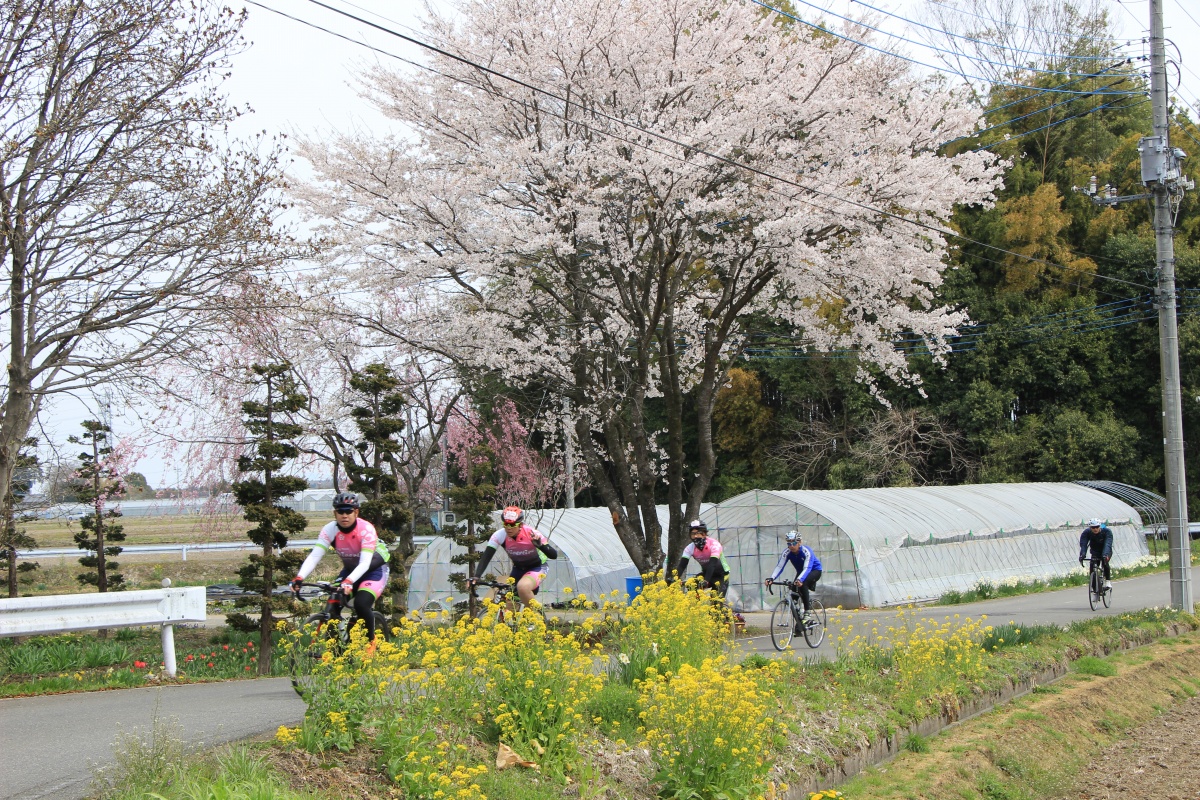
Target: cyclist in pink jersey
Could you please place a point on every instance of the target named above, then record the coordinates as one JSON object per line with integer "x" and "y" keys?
{"x": 527, "y": 548}
{"x": 364, "y": 557}
{"x": 714, "y": 569}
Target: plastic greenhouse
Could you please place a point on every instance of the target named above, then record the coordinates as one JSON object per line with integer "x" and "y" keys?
{"x": 881, "y": 547}
{"x": 591, "y": 559}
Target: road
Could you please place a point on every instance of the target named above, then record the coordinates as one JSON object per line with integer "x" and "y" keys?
{"x": 1047, "y": 608}
{"x": 49, "y": 743}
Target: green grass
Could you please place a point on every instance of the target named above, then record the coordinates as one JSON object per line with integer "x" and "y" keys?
{"x": 132, "y": 657}
{"x": 1090, "y": 665}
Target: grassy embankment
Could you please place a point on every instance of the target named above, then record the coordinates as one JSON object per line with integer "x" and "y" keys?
{"x": 1036, "y": 746}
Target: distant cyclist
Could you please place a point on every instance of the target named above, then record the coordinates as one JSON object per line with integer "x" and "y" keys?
{"x": 1098, "y": 538}
{"x": 714, "y": 569}
{"x": 808, "y": 567}
{"x": 364, "y": 557}
{"x": 529, "y": 550}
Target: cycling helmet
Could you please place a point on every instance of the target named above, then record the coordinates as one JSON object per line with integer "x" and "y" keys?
{"x": 697, "y": 525}
{"x": 793, "y": 537}
{"x": 345, "y": 501}
{"x": 1094, "y": 523}
{"x": 512, "y": 515}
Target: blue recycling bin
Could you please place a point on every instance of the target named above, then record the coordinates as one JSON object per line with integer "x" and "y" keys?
{"x": 633, "y": 587}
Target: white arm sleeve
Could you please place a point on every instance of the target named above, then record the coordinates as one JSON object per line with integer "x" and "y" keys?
{"x": 364, "y": 564}
{"x": 310, "y": 563}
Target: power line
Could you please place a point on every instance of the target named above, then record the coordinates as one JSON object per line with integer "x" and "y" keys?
{"x": 1059, "y": 122}
{"x": 1059, "y": 34}
{"x": 978, "y": 41}
{"x": 934, "y": 48}
{"x": 667, "y": 139}
{"x": 860, "y": 43}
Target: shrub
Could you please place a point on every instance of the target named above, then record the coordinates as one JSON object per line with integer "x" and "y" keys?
{"x": 666, "y": 628}
{"x": 707, "y": 730}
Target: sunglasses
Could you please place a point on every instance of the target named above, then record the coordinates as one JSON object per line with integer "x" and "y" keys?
{"x": 512, "y": 524}
{"x": 344, "y": 510}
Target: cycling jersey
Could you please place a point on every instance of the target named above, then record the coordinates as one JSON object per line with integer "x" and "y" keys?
{"x": 529, "y": 550}
{"x": 712, "y": 549}
{"x": 1100, "y": 542}
{"x": 359, "y": 548}
{"x": 804, "y": 560}
{"x": 522, "y": 548}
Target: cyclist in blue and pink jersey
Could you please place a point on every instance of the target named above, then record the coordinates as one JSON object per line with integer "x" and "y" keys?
{"x": 528, "y": 549}
{"x": 709, "y": 554}
{"x": 364, "y": 557}
{"x": 808, "y": 567}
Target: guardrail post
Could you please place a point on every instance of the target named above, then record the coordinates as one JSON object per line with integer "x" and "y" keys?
{"x": 185, "y": 552}
{"x": 168, "y": 638}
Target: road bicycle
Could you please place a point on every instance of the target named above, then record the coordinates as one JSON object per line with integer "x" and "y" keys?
{"x": 507, "y": 605}
{"x": 788, "y": 619}
{"x": 1097, "y": 592}
{"x": 322, "y": 632}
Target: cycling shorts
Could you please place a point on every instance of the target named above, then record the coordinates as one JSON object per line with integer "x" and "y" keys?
{"x": 374, "y": 581}
{"x": 539, "y": 572}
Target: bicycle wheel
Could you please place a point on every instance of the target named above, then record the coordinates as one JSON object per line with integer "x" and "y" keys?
{"x": 783, "y": 625}
{"x": 1093, "y": 595}
{"x": 381, "y": 626}
{"x": 1105, "y": 594}
{"x": 306, "y": 652}
{"x": 814, "y": 626}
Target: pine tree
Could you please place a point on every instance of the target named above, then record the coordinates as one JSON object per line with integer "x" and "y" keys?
{"x": 100, "y": 481}
{"x": 472, "y": 499}
{"x": 373, "y": 475}
{"x": 13, "y": 538}
{"x": 273, "y": 435}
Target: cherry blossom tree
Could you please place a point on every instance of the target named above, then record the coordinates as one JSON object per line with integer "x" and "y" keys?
{"x": 591, "y": 197}
{"x": 126, "y": 218}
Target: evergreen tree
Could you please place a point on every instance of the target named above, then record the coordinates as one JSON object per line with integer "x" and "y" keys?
{"x": 472, "y": 498}
{"x": 12, "y": 537}
{"x": 100, "y": 481}
{"x": 372, "y": 471}
{"x": 272, "y": 445}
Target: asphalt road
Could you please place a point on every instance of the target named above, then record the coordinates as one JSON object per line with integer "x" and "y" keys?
{"x": 51, "y": 743}
{"x": 1047, "y": 608}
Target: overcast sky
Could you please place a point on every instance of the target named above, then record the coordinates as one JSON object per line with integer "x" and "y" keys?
{"x": 298, "y": 79}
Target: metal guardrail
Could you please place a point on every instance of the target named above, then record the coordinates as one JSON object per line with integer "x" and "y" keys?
{"x": 27, "y": 616}
{"x": 184, "y": 549}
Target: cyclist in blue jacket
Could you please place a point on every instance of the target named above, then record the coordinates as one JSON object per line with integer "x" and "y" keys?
{"x": 1098, "y": 538}
{"x": 808, "y": 567}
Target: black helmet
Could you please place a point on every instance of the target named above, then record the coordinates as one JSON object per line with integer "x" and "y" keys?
{"x": 344, "y": 501}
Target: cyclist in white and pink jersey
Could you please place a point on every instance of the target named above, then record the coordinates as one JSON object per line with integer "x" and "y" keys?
{"x": 714, "y": 569}
{"x": 527, "y": 548}
{"x": 364, "y": 557}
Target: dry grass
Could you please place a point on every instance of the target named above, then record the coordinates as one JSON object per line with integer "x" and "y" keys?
{"x": 1032, "y": 746}
{"x": 183, "y": 528}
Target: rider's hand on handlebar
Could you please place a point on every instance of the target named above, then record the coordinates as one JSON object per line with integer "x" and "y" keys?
{"x": 347, "y": 588}
{"x": 472, "y": 581}
{"x": 769, "y": 581}
{"x": 1081, "y": 562}
{"x": 297, "y": 582}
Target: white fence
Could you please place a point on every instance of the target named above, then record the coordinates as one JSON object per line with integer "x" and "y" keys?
{"x": 27, "y": 616}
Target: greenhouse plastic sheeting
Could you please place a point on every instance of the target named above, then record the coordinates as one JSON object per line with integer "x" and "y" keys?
{"x": 882, "y": 547}
{"x": 591, "y": 559}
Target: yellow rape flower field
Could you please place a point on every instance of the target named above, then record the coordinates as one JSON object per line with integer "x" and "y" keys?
{"x": 637, "y": 701}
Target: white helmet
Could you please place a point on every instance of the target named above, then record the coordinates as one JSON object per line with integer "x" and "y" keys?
{"x": 1094, "y": 523}
{"x": 793, "y": 537}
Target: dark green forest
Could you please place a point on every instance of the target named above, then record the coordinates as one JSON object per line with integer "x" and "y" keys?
{"x": 1057, "y": 377}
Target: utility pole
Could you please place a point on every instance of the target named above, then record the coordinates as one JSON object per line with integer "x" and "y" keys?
{"x": 1161, "y": 173}
{"x": 1164, "y": 180}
